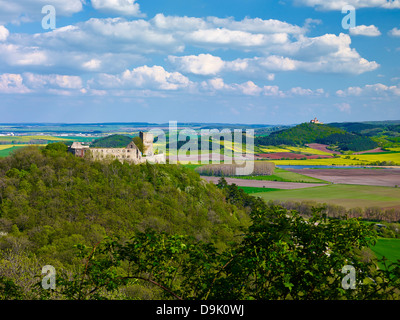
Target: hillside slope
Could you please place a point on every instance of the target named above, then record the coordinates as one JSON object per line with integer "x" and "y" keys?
{"x": 113, "y": 141}
{"x": 298, "y": 135}
{"x": 306, "y": 133}
{"x": 51, "y": 200}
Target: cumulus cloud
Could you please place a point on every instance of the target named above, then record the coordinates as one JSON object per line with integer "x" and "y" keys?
{"x": 36, "y": 81}
{"x": 377, "y": 89}
{"x": 12, "y": 83}
{"x": 17, "y": 55}
{"x": 203, "y": 64}
{"x": 251, "y": 89}
{"x": 121, "y": 7}
{"x": 327, "y": 54}
{"x": 144, "y": 77}
{"x": 89, "y": 43}
{"x": 362, "y": 30}
{"x": 358, "y": 4}
{"x": 395, "y": 32}
{"x": 4, "y": 33}
{"x": 31, "y": 10}
{"x": 257, "y": 25}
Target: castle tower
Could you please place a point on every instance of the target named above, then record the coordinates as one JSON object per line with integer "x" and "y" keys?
{"x": 147, "y": 139}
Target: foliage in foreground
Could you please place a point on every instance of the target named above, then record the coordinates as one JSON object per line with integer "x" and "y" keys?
{"x": 281, "y": 256}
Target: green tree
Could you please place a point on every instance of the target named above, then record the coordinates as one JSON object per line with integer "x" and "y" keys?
{"x": 282, "y": 256}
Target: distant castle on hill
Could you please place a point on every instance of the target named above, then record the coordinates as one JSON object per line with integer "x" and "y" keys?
{"x": 316, "y": 121}
{"x": 131, "y": 153}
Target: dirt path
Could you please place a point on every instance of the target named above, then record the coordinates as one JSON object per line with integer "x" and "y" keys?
{"x": 377, "y": 177}
{"x": 265, "y": 184}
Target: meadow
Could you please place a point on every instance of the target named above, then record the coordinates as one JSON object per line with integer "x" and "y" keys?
{"x": 388, "y": 248}
{"x": 6, "y": 149}
{"x": 284, "y": 176}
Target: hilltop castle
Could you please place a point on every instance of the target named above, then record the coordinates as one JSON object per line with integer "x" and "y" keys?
{"x": 316, "y": 121}
{"x": 131, "y": 153}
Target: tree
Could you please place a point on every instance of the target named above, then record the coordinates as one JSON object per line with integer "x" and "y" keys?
{"x": 281, "y": 256}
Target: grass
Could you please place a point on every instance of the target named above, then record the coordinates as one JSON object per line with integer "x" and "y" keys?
{"x": 348, "y": 196}
{"x": 251, "y": 190}
{"x": 388, "y": 248}
{"x": 285, "y": 176}
{"x": 6, "y": 149}
{"x": 5, "y": 152}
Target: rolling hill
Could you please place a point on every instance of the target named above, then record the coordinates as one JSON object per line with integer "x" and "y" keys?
{"x": 306, "y": 133}
{"x": 113, "y": 141}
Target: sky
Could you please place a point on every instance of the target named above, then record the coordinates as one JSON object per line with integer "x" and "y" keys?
{"x": 237, "y": 61}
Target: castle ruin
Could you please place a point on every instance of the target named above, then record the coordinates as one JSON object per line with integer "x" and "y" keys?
{"x": 316, "y": 121}
{"x": 131, "y": 153}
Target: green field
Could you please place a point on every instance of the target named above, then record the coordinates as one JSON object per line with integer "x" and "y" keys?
{"x": 284, "y": 176}
{"x": 388, "y": 248}
{"x": 5, "y": 150}
{"x": 251, "y": 190}
{"x": 349, "y": 196}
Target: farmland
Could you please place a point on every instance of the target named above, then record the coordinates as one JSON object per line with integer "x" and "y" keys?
{"x": 348, "y": 196}
{"x": 285, "y": 176}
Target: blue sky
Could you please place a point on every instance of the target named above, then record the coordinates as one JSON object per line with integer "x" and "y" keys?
{"x": 253, "y": 61}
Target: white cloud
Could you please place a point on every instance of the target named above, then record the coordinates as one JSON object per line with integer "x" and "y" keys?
{"x": 271, "y": 76}
{"x": 395, "y": 32}
{"x": 358, "y": 4}
{"x": 4, "y": 33}
{"x": 93, "y": 64}
{"x": 304, "y": 92}
{"x": 16, "y": 55}
{"x": 249, "y": 88}
{"x": 36, "y": 81}
{"x": 222, "y": 37}
{"x": 362, "y": 30}
{"x": 343, "y": 107}
{"x": 377, "y": 89}
{"x": 272, "y": 91}
{"x": 122, "y": 7}
{"x": 30, "y": 10}
{"x": 256, "y": 25}
{"x": 12, "y": 83}
{"x": 112, "y": 45}
{"x": 203, "y": 64}
{"x": 277, "y": 63}
{"x": 144, "y": 77}
{"x": 176, "y": 23}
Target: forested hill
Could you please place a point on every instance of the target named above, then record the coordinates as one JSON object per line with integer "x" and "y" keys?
{"x": 318, "y": 133}
{"x": 299, "y": 135}
{"x": 51, "y": 201}
{"x": 113, "y": 141}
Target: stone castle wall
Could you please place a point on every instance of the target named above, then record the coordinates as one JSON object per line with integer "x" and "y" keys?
{"x": 130, "y": 154}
